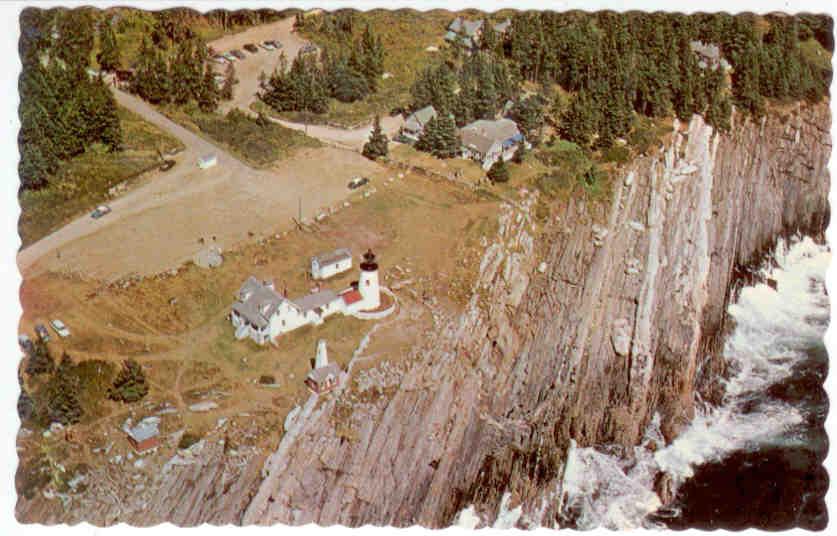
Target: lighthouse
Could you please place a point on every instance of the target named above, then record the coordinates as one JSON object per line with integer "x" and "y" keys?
{"x": 368, "y": 285}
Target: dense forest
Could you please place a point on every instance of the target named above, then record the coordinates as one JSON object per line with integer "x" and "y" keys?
{"x": 63, "y": 109}
{"x": 348, "y": 70}
{"x": 594, "y": 73}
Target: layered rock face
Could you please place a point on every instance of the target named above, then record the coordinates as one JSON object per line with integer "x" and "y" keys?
{"x": 581, "y": 326}
{"x": 582, "y": 329}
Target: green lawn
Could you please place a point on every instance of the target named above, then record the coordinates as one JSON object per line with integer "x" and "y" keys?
{"x": 83, "y": 181}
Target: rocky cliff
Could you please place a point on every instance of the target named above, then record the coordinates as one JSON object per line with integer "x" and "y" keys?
{"x": 581, "y": 328}
{"x": 583, "y": 324}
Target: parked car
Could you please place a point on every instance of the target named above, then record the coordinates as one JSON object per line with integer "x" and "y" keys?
{"x": 41, "y": 332}
{"x": 207, "y": 161}
{"x": 229, "y": 57}
{"x": 267, "y": 45}
{"x": 251, "y": 48}
{"x": 59, "y": 327}
{"x": 167, "y": 165}
{"x": 25, "y": 343}
{"x": 238, "y": 54}
{"x": 357, "y": 182}
{"x": 276, "y": 43}
{"x": 100, "y": 211}
{"x": 219, "y": 59}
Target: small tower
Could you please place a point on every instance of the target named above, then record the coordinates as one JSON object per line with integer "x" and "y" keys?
{"x": 322, "y": 355}
{"x": 368, "y": 285}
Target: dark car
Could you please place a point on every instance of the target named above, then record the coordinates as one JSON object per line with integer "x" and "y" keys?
{"x": 167, "y": 165}
{"x": 100, "y": 211}
{"x": 25, "y": 343}
{"x": 41, "y": 332}
{"x": 238, "y": 54}
{"x": 357, "y": 182}
{"x": 251, "y": 48}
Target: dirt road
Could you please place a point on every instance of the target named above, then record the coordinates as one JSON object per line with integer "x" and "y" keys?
{"x": 158, "y": 225}
{"x": 248, "y": 70}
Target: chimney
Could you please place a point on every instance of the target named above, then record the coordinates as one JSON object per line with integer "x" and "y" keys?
{"x": 322, "y": 355}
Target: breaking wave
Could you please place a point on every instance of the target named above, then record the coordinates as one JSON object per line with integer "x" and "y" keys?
{"x": 775, "y": 328}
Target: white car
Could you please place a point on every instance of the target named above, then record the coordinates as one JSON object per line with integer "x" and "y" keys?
{"x": 59, "y": 327}
{"x": 229, "y": 57}
{"x": 207, "y": 161}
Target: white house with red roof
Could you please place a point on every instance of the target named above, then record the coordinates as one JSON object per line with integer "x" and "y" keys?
{"x": 262, "y": 314}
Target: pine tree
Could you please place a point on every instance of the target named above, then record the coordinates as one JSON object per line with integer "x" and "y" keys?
{"x": 528, "y": 113}
{"x": 209, "y": 95}
{"x": 578, "y": 123}
{"x": 62, "y": 391}
{"x": 229, "y": 81}
{"x": 108, "y": 57}
{"x": 129, "y": 385}
{"x": 439, "y": 137}
{"x": 377, "y": 146}
{"x": 499, "y": 172}
{"x": 40, "y": 360}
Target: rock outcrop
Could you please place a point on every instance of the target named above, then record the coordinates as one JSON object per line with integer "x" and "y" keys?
{"x": 582, "y": 349}
{"x": 579, "y": 328}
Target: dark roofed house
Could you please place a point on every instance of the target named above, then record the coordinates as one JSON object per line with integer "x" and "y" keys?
{"x": 414, "y": 125}
{"x": 488, "y": 141}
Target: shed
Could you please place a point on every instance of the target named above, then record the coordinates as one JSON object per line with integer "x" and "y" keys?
{"x": 145, "y": 435}
{"x": 329, "y": 264}
{"x": 323, "y": 379}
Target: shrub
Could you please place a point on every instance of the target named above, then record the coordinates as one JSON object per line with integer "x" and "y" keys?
{"x": 187, "y": 440}
{"x": 499, "y": 172}
{"x": 129, "y": 385}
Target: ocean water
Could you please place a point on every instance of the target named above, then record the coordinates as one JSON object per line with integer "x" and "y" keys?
{"x": 756, "y": 459}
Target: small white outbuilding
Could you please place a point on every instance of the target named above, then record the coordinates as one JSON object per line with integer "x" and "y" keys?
{"x": 330, "y": 264}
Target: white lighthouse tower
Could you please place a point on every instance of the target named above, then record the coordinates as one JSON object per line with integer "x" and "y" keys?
{"x": 368, "y": 285}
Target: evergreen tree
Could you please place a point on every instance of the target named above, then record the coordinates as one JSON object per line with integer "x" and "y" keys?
{"x": 578, "y": 122}
{"x": 151, "y": 78}
{"x": 40, "y": 360}
{"x": 129, "y": 385}
{"x": 74, "y": 36}
{"x": 439, "y": 137}
{"x": 528, "y": 113}
{"x": 499, "y": 172}
{"x": 377, "y": 146}
{"x": 108, "y": 57}
{"x": 62, "y": 394}
{"x": 209, "y": 94}
{"x": 229, "y": 81}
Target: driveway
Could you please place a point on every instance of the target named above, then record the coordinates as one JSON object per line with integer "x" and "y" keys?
{"x": 248, "y": 70}
{"x": 158, "y": 225}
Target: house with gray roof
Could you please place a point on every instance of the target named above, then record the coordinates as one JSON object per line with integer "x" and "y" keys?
{"x": 709, "y": 56}
{"x": 414, "y": 125}
{"x": 464, "y": 32}
{"x": 488, "y": 141}
{"x": 262, "y": 314}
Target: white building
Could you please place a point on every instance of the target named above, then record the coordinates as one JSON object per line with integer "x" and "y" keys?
{"x": 330, "y": 264}
{"x": 414, "y": 125}
{"x": 488, "y": 141}
{"x": 324, "y": 376}
{"x": 262, "y": 314}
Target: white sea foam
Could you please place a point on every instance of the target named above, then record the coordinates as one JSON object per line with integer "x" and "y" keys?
{"x": 773, "y": 327}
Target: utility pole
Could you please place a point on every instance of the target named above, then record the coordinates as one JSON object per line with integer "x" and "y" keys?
{"x": 300, "y": 209}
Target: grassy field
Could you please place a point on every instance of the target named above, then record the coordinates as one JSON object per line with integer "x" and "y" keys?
{"x": 405, "y": 35}
{"x": 258, "y": 145}
{"x": 83, "y": 182}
